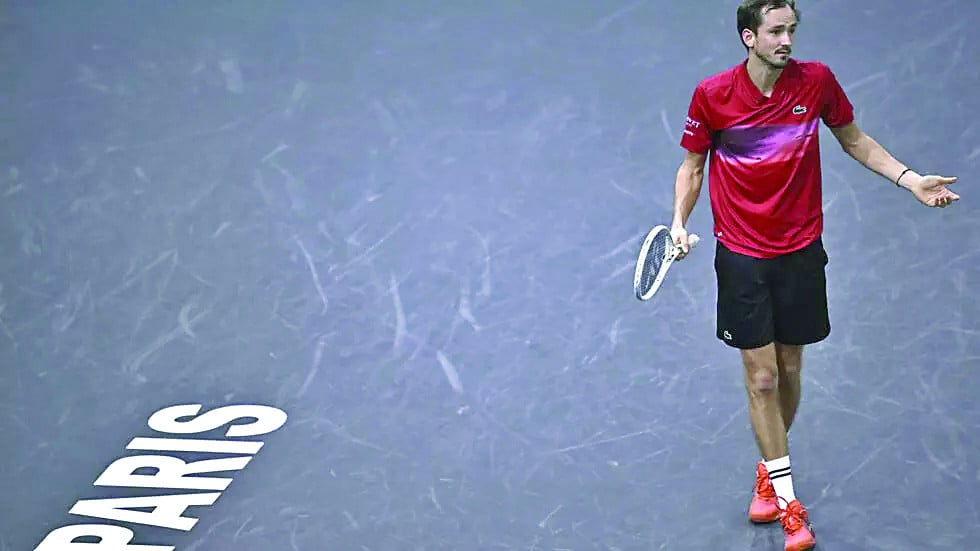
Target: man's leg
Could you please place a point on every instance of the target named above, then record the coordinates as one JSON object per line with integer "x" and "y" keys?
{"x": 772, "y": 372}
{"x": 762, "y": 383}
{"x": 789, "y": 359}
{"x": 745, "y": 322}
{"x": 799, "y": 294}
{"x": 801, "y": 317}
{"x": 767, "y": 414}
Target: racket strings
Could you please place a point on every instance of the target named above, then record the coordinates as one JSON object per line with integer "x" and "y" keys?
{"x": 654, "y": 261}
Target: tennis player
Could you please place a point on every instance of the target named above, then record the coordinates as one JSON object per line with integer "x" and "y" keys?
{"x": 759, "y": 121}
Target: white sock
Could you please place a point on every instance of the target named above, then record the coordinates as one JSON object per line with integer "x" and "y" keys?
{"x": 782, "y": 479}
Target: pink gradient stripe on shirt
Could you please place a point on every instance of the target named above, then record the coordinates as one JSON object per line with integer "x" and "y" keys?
{"x": 760, "y": 143}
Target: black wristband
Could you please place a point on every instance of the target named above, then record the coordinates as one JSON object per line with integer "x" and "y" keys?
{"x": 900, "y": 176}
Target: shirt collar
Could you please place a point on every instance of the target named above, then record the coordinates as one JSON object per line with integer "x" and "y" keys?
{"x": 752, "y": 92}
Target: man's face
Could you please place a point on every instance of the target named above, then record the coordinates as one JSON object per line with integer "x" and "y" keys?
{"x": 773, "y": 44}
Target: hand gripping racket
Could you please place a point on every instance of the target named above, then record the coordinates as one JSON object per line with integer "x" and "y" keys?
{"x": 656, "y": 255}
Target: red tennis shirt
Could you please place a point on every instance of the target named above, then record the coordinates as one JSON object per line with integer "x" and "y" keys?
{"x": 764, "y": 177}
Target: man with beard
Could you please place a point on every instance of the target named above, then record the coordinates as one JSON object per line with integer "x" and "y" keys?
{"x": 759, "y": 121}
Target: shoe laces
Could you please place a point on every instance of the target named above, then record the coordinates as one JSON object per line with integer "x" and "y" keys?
{"x": 763, "y": 487}
{"x": 793, "y": 517}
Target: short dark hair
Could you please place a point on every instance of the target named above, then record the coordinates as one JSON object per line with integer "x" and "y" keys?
{"x": 751, "y": 12}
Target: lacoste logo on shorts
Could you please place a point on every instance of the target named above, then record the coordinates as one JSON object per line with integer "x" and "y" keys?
{"x": 799, "y": 110}
{"x": 727, "y": 335}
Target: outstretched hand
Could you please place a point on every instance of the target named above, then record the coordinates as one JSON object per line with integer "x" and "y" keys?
{"x": 931, "y": 191}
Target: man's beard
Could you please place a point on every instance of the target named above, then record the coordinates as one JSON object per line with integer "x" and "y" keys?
{"x": 774, "y": 60}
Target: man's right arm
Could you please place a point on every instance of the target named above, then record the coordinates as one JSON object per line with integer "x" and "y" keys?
{"x": 687, "y": 188}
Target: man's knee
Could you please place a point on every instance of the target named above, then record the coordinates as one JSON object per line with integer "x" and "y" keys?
{"x": 789, "y": 359}
{"x": 761, "y": 370}
{"x": 762, "y": 381}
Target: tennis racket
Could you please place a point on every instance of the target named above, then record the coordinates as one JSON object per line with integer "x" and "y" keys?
{"x": 656, "y": 255}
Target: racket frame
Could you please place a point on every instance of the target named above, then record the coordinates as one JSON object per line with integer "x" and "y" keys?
{"x": 670, "y": 254}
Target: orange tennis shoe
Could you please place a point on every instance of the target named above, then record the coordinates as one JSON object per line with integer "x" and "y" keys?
{"x": 764, "y": 506}
{"x": 796, "y": 526}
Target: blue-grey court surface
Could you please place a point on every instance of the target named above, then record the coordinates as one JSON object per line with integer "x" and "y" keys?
{"x": 412, "y": 227}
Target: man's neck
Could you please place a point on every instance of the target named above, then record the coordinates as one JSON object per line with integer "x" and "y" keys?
{"x": 763, "y": 75}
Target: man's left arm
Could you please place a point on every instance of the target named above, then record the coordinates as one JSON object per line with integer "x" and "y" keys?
{"x": 929, "y": 189}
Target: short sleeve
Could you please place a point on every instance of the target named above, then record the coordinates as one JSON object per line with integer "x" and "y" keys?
{"x": 697, "y": 131}
{"x": 837, "y": 110}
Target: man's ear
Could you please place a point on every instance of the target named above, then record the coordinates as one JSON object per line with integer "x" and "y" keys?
{"x": 748, "y": 38}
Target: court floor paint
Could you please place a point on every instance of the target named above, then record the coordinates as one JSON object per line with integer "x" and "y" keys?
{"x": 411, "y": 227}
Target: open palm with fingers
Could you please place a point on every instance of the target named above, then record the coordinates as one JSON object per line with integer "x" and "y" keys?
{"x": 931, "y": 191}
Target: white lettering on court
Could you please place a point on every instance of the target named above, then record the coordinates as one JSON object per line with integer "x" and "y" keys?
{"x": 196, "y": 478}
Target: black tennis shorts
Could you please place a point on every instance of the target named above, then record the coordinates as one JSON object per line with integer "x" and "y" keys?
{"x": 764, "y": 300}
